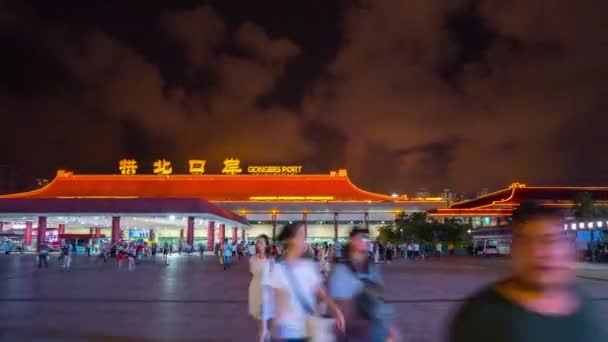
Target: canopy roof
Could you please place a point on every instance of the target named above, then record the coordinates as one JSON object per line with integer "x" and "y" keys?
{"x": 209, "y": 187}
{"x": 117, "y": 207}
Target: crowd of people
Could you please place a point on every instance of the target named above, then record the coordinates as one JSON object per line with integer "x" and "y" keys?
{"x": 293, "y": 290}
{"x": 539, "y": 301}
{"x": 300, "y": 291}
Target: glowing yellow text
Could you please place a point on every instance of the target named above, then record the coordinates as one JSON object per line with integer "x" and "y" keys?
{"x": 197, "y": 166}
{"x": 232, "y": 166}
{"x": 274, "y": 170}
{"x": 162, "y": 167}
{"x": 127, "y": 166}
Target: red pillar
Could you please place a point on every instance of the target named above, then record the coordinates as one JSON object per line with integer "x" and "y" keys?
{"x": 27, "y": 237}
{"x": 41, "y": 232}
{"x": 61, "y": 229}
{"x": 335, "y": 229}
{"x": 243, "y": 234}
{"x": 115, "y": 229}
{"x": 235, "y": 235}
{"x": 222, "y": 233}
{"x": 305, "y": 220}
{"x": 190, "y": 232}
{"x": 211, "y": 236}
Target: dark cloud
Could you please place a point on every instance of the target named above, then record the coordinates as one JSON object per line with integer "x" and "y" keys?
{"x": 413, "y": 94}
{"x": 522, "y": 74}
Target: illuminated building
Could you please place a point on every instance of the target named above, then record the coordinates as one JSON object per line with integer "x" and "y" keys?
{"x": 329, "y": 205}
{"x": 496, "y": 208}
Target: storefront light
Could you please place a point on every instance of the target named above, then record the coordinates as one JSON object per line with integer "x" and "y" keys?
{"x": 590, "y": 225}
{"x": 573, "y": 226}
{"x": 581, "y": 225}
{"x": 565, "y": 226}
{"x": 600, "y": 224}
{"x": 172, "y": 217}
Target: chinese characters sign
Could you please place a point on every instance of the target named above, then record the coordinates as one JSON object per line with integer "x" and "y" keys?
{"x": 163, "y": 167}
{"x": 197, "y": 166}
{"x": 127, "y": 166}
{"x": 232, "y": 166}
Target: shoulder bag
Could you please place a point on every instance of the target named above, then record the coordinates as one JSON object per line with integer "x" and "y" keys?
{"x": 320, "y": 329}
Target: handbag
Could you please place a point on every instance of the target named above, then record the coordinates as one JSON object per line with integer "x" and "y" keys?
{"x": 370, "y": 299}
{"x": 320, "y": 329}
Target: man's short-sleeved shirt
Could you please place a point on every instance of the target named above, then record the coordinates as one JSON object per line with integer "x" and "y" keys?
{"x": 489, "y": 316}
{"x": 290, "y": 315}
{"x": 343, "y": 283}
{"x": 227, "y": 249}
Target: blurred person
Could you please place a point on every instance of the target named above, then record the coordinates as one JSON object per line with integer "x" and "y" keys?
{"x": 389, "y": 253}
{"x": 122, "y": 255}
{"x": 323, "y": 255}
{"x": 227, "y": 250}
{"x": 260, "y": 304}
{"x": 356, "y": 286}
{"x": 296, "y": 284}
{"x": 43, "y": 255}
{"x": 539, "y": 301}
{"x": 166, "y": 254}
{"x": 66, "y": 251}
{"x": 132, "y": 255}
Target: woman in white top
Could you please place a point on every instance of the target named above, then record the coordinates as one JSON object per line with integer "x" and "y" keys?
{"x": 259, "y": 292}
{"x": 296, "y": 285}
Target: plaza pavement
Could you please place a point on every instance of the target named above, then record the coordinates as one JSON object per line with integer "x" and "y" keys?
{"x": 192, "y": 299}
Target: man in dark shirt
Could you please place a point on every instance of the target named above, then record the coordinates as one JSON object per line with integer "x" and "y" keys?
{"x": 540, "y": 301}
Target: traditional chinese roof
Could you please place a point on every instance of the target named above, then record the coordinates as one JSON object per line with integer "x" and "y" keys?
{"x": 116, "y": 206}
{"x": 518, "y": 193}
{"x": 241, "y": 188}
{"x": 488, "y": 212}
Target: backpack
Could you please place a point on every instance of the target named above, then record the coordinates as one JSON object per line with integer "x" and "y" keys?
{"x": 370, "y": 299}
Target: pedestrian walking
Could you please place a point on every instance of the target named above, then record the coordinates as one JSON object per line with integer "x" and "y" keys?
{"x": 540, "y": 300}
{"x": 66, "y": 251}
{"x": 166, "y": 254}
{"x": 356, "y": 286}
{"x": 227, "y": 250}
{"x": 260, "y": 294}
{"x": 296, "y": 284}
{"x": 43, "y": 256}
{"x": 132, "y": 255}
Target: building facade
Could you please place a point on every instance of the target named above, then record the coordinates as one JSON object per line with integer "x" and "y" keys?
{"x": 328, "y": 205}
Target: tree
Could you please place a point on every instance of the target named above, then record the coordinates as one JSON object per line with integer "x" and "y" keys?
{"x": 388, "y": 233}
{"x": 585, "y": 208}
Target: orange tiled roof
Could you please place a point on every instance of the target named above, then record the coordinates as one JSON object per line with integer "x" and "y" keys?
{"x": 518, "y": 193}
{"x": 208, "y": 187}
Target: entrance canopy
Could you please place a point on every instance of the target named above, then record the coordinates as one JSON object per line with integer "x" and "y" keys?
{"x": 117, "y": 207}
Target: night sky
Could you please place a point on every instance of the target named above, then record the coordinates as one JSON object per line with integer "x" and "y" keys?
{"x": 406, "y": 94}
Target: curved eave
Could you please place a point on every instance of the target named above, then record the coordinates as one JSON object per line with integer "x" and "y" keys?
{"x": 208, "y": 187}
{"x": 516, "y": 194}
{"x": 441, "y": 212}
{"x": 498, "y": 197}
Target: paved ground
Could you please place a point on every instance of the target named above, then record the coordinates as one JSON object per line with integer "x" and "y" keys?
{"x": 193, "y": 300}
